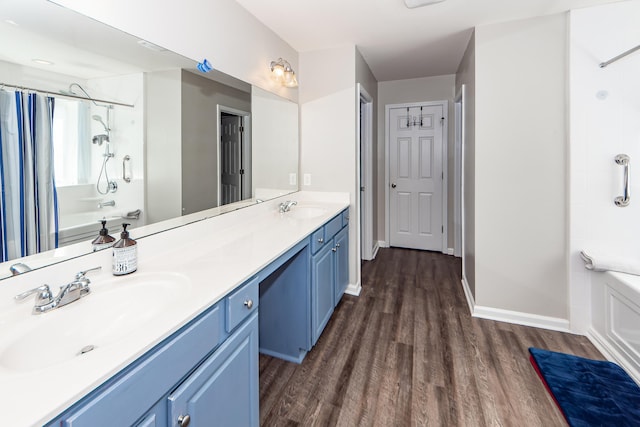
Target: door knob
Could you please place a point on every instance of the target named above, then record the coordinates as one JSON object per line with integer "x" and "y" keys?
{"x": 393, "y": 185}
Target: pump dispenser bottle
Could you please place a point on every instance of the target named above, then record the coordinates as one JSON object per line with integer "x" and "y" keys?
{"x": 125, "y": 254}
{"x": 103, "y": 241}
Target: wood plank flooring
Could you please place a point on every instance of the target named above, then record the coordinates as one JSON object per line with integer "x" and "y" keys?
{"x": 406, "y": 352}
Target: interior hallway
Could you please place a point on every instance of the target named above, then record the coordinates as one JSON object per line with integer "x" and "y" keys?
{"x": 407, "y": 352}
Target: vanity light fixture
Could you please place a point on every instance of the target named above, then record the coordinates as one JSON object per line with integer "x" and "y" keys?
{"x": 411, "y": 4}
{"x": 282, "y": 73}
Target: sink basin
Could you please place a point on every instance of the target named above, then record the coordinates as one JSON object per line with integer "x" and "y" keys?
{"x": 111, "y": 311}
{"x": 306, "y": 212}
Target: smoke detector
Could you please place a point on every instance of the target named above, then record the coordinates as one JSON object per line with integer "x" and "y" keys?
{"x": 412, "y": 4}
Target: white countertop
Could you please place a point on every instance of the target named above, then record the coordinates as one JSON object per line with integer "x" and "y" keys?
{"x": 212, "y": 256}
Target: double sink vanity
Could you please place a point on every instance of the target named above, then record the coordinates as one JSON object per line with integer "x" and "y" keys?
{"x": 176, "y": 343}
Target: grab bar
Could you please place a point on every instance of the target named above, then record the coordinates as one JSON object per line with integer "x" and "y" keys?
{"x": 125, "y": 159}
{"x": 622, "y": 201}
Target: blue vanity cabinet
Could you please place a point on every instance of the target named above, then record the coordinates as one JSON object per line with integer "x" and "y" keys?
{"x": 209, "y": 367}
{"x": 322, "y": 278}
{"x": 329, "y": 270}
{"x": 224, "y": 389}
{"x": 342, "y": 264}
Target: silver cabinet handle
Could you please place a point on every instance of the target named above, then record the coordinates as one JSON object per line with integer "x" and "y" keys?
{"x": 248, "y": 303}
{"x": 334, "y": 249}
{"x": 622, "y": 201}
{"x": 337, "y": 245}
{"x": 393, "y": 185}
{"x": 184, "y": 420}
{"x": 321, "y": 240}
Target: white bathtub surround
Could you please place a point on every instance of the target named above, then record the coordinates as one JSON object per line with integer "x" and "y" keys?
{"x": 208, "y": 259}
{"x": 615, "y": 318}
{"x": 598, "y": 261}
{"x": 605, "y": 106}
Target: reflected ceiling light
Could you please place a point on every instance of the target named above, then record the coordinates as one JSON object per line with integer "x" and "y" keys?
{"x": 151, "y": 46}
{"x": 282, "y": 73}
{"x": 42, "y": 61}
{"x": 11, "y": 22}
{"x": 411, "y": 4}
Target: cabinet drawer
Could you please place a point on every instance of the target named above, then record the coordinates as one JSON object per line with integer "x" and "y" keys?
{"x": 345, "y": 217}
{"x": 241, "y": 303}
{"x": 332, "y": 227}
{"x": 317, "y": 240}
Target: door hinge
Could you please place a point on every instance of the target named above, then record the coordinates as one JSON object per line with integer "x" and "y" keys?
{"x": 241, "y": 171}
{"x": 442, "y": 229}
{"x": 441, "y": 121}
{"x": 241, "y": 128}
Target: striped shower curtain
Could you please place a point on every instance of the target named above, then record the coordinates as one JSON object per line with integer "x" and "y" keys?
{"x": 28, "y": 199}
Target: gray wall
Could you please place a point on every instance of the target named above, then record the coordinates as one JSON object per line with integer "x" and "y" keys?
{"x": 367, "y": 80}
{"x": 520, "y": 167}
{"x": 467, "y": 75}
{"x": 200, "y": 98}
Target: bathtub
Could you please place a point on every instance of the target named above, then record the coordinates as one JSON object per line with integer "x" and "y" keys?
{"x": 615, "y": 318}
{"x": 82, "y": 226}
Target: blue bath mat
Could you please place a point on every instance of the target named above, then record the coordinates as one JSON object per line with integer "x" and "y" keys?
{"x": 588, "y": 392}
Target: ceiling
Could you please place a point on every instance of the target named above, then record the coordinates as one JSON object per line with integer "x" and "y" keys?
{"x": 397, "y": 42}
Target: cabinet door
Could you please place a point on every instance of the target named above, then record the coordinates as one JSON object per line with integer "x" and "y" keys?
{"x": 223, "y": 391}
{"x": 341, "y": 244}
{"x": 322, "y": 278}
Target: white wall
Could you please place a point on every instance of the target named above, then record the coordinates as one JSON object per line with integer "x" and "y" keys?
{"x": 601, "y": 128}
{"x": 520, "y": 168}
{"x": 163, "y": 93}
{"x": 275, "y": 131}
{"x": 327, "y": 129}
{"x": 438, "y": 88}
{"x": 222, "y": 31}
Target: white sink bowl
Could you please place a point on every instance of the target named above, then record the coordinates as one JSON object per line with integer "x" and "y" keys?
{"x": 109, "y": 313}
{"x": 306, "y": 212}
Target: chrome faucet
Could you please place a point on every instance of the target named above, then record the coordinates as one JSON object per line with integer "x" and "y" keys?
{"x": 107, "y": 203}
{"x": 73, "y": 291}
{"x": 286, "y": 206}
{"x": 19, "y": 268}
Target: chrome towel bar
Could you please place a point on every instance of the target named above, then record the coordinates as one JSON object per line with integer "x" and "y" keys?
{"x": 622, "y": 201}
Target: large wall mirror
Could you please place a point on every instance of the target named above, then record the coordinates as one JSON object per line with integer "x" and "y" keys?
{"x": 138, "y": 134}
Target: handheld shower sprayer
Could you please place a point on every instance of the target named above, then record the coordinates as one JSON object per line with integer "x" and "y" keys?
{"x": 99, "y": 120}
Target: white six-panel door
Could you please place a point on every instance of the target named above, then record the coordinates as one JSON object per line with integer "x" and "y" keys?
{"x": 416, "y": 177}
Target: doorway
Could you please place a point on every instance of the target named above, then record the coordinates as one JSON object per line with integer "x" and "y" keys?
{"x": 234, "y": 155}
{"x": 416, "y": 196}
{"x": 365, "y": 137}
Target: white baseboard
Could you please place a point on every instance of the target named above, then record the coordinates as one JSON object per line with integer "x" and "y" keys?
{"x": 383, "y": 244}
{"x": 520, "y": 318}
{"x": 468, "y": 294}
{"x": 612, "y": 354}
{"x": 354, "y": 289}
{"x": 450, "y": 251}
{"x": 376, "y": 246}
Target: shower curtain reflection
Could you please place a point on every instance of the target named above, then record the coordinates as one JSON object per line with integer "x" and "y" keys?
{"x": 28, "y": 200}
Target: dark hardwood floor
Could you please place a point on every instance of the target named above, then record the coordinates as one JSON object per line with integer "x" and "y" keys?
{"x": 406, "y": 352}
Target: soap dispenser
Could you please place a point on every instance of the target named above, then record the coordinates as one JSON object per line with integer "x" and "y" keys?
{"x": 125, "y": 254}
{"x": 103, "y": 241}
